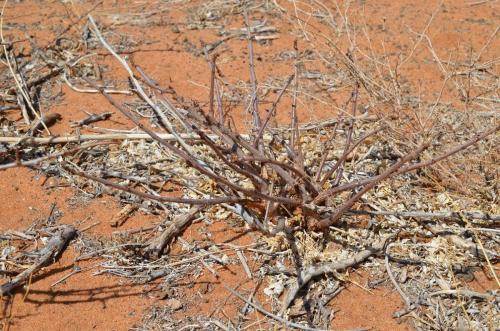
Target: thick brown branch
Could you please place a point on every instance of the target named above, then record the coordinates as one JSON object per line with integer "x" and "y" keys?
{"x": 255, "y": 178}
{"x": 302, "y": 175}
{"x": 452, "y": 151}
{"x": 341, "y": 162}
{"x": 272, "y": 110}
{"x": 232, "y": 138}
{"x": 253, "y": 77}
{"x": 194, "y": 162}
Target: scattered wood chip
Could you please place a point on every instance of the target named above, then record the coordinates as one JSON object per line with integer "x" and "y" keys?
{"x": 121, "y": 217}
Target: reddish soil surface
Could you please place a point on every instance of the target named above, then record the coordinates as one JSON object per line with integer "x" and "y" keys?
{"x": 82, "y": 302}
{"x": 87, "y": 302}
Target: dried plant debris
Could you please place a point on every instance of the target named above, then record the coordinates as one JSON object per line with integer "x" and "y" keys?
{"x": 25, "y": 253}
{"x": 216, "y": 14}
{"x": 423, "y": 251}
{"x": 413, "y": 203}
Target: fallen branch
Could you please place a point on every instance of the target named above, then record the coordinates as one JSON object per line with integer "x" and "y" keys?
{"x": 123, "y": 215}
{"x": 92, "y": 118}
{"x": 268, "y": 314}
{"x": 404, "y": 296}
{"x": 178, "y": 224}
{"x": 110, "y": 136}
{"x": 422, "y": 214}
{"x": 31, "y": 163}
{"x": 465, "y": 293}
{"x": 48, "y": 255}
{"x": 463, "y": 243}
{"x": 310, "y": 272}
{"x": 452, "y": 215}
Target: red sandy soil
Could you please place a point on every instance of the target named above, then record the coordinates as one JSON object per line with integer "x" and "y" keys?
{"x": 83, "y": 302}
{"x": 87, "y": 302}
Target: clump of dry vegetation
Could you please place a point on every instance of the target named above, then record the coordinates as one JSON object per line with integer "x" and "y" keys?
{"x": 403, "y": 186}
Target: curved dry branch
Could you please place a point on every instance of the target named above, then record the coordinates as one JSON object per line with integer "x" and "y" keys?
{"x": 349, "y": 186}
{"x": 317, "y": 270}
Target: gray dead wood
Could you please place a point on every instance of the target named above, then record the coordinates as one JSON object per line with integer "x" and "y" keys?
{"x": 271, "y": 315}
{"x": 48, "y": 255}
{"x": 92, "y": 118}
{"x": 466, "y": 293}
{"x": 463, "y": 243}
{"x": 121, "y": 217}
{"x": 310, "y": 272}
{"x": 430, "y": 215}
{"x": 87, "y": 137}
{"x": 179, "y": 223}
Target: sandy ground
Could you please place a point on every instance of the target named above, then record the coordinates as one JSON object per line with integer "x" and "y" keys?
{"x": 88, "y": 302}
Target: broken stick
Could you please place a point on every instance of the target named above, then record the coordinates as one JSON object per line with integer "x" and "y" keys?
{"x": 48, "y": 255}
{"x": 177, "y": 225}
